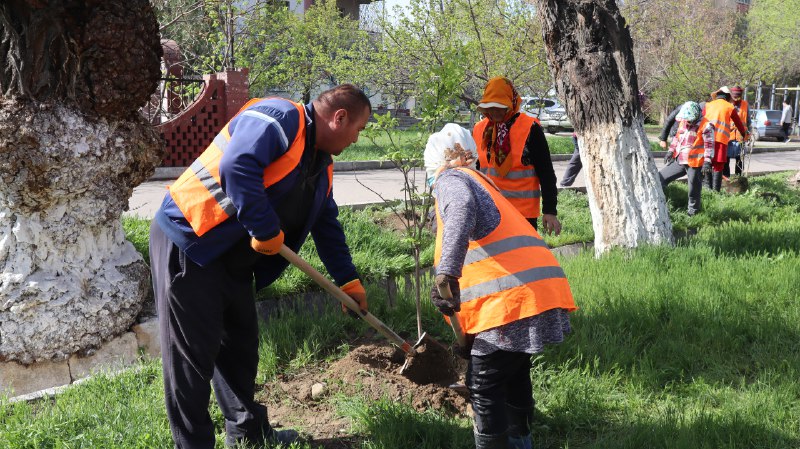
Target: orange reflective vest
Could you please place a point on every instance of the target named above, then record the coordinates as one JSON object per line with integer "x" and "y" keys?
{"x": 743, "y": 111}
{"x": 198, "y": 191}
{"x": 718, "y": 113}
{"x": 508, "y": 275}
{"x": 516, "y": 182}
{"x": 697, "y": 152}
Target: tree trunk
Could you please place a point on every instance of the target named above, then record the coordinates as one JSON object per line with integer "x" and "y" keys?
{"x": 72, "y": 148}
{"x": 590, "y": 54}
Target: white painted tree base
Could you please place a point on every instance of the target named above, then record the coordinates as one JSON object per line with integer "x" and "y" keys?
{"x": 69, "y": 279}
{"x": 626, "y": 201}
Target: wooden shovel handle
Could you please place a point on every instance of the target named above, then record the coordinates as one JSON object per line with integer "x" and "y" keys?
{"x": 345, "y": 299}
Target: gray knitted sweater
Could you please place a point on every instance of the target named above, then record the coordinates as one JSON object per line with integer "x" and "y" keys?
{"x": 468, "y": 213}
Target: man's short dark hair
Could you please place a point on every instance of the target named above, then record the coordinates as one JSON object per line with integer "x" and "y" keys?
{"x": 724, "y": 95}
{"x": 347, "y": 97}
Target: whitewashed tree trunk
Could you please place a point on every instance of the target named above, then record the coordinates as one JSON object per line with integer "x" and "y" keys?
{"x": 72, "y": 148}
{"x": 590, "y": 55}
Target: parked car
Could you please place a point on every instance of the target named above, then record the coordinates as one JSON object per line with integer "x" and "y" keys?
{"x": 550, "y": 112}
{"x": 766, "y": 123}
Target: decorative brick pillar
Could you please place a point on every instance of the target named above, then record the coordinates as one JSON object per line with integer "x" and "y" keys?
{"x": 237, "y": 91}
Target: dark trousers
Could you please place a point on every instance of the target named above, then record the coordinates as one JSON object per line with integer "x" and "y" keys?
{"x": 695, "y": 181}
{"x": 713, "y": 179}
{"x": 786, "y": 128}
{"x": 209, "y": 335}
{"x": 574, "y": 167}
{"x": 734, "y": 152}
{"x": 673, "y": 171}
{"x": 738, "y": 167}
{"x": 500, "y": 392}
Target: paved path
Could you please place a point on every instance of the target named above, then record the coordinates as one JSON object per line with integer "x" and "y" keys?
{"x": 354, "y": 187}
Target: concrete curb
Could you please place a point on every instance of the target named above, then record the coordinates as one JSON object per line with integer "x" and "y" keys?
{"x": 167, "y": 173}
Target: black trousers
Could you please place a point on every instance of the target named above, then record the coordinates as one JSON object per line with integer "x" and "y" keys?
{"x": 209, "y": 335}
{"x": 499, "y": 386}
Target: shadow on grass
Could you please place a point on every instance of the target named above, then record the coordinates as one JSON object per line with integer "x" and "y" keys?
{"x": 742, "y": 239}
{"x": 672, "y": 345}
{"x": 669, "y": 431}
{"x": 389, "y": 424}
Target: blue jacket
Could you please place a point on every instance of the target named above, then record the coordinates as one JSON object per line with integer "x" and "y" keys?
{"x": 260, "y": 135}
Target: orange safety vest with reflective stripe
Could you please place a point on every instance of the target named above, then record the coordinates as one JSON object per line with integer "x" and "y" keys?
{"x": 697, "y": 151}
{"x": 198, "y": 191}
{"x": 743, "y": 111}
{"x": 517, "y": 182}
{"x": 508, "y": 275}
{"x": 718, "y": 113}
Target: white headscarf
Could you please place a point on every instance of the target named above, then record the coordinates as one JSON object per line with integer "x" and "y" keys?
{"x": 441, "y": 149}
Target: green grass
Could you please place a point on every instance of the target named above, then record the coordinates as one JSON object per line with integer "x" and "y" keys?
{"x": 137, "y": 231}
{"x": 368, "y": 149}
{"x": 692, "y": 346}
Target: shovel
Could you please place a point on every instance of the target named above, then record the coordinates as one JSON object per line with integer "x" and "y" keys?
{"x": 348, "y": 302}
{"x": 444, "y": 291}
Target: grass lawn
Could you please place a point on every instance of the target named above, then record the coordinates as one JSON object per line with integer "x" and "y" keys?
{"x": 692, "y": 346}
{"x": 367, "y": 149}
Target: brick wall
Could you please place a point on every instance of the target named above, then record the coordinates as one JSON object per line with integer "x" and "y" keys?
{"x": 189, "y": 133}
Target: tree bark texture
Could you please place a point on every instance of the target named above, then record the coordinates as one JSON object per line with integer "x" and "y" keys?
{"x": 72, "y": 148}
{"x": 590, "y": 54}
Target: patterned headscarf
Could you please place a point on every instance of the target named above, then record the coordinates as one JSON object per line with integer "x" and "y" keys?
{"x": 499, "y": 92}
{"x": 690, "y": 111}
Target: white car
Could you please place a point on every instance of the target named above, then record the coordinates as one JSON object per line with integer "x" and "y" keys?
{"x": 550, "y": 113}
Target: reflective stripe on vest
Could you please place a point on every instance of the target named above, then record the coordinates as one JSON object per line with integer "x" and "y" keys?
{"x": 695, "y": 156}
{"x": 718, "y": 113}
{"x": 198, "y": 191}
{"x": 520, "y": 185}
{"x": 508, "y": 275}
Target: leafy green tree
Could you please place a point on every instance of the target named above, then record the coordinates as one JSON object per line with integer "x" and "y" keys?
{"x": 446, "y": 50}
{"x": 322, "y": 47}
{"x": 773, "y": 49}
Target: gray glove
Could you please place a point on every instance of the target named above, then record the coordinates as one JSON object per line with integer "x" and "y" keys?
{"x": 669, "y": 157}
{"x": 706, "y": 170}
{"x": 450, "y": 303}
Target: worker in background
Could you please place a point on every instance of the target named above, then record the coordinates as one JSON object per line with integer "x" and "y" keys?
{"x": 691, "y": 147}
{"x": 511, "y": 296}
{"x": 737, "y": 142}
{"x": 264, "y": 181}
{"x": 574, "y": 166}
{"x": 722, "y": 115}
{"x": 513, "y": 153}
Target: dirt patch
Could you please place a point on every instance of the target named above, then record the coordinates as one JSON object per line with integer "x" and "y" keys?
{"x": 370, "y": 371}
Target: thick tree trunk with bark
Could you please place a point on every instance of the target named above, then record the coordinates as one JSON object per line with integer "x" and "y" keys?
{"x": 72, "y": 148}
{"x": 590, "y": 54}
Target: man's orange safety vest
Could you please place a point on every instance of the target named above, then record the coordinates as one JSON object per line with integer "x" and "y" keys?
{"x": 718, "y": 113}
{"x": 509, "y": 274}
{"x": 518, "y": 183}
{"x": 743, "y": 111}
{"x": 198, "y": 191}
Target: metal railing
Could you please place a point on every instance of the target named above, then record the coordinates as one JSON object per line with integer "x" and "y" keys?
{"x": 171, "y": 98}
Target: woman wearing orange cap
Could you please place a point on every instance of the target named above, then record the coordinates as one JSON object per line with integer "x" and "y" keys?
{"x": 513, "y": 153}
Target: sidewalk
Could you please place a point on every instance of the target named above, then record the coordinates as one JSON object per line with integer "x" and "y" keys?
{"x": 355, "y": 188}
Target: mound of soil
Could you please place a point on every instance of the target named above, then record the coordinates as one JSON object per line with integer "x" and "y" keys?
{"x": 371, "y": 371}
